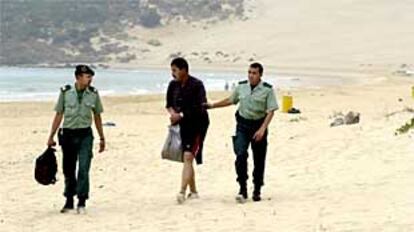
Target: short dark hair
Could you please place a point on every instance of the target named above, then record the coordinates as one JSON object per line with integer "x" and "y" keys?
{"x": 258, "y": 66}
{"x": 180, "y": 63}
{"x": 80, "y": 69}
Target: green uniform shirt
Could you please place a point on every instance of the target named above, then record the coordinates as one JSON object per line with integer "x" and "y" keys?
{"x": 77, "y": 111}
{"x": 256, "y": 103}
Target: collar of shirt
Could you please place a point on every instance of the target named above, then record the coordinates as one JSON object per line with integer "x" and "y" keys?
{"x": 81, "y": 93}
{"x": 256, "y": 87}
{"x": 87, "y": 90}
{"x": 188, "y": 83}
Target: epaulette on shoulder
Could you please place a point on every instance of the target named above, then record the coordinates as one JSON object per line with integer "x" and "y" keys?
{"x": 243, "y": 82}
{"x": 267, "y": 85}
{"x": 93, "y": 89}
{"x": 65, "y": 88}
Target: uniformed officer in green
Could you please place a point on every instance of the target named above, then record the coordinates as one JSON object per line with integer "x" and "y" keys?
{"x": 257, "y": 103}
{"x": 77, "y": 105}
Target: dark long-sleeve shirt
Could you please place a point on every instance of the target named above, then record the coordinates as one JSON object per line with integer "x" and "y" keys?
{"x": 189, "y": 99}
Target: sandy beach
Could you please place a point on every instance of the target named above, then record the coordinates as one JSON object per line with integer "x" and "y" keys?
{"x": 318, "y": 178}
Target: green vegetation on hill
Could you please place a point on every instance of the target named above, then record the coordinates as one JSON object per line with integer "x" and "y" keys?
{"x": 60, "y": 31}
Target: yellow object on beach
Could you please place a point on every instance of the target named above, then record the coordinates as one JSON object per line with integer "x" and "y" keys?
{"x": 412, "y": 91}
{"x": 287, "y": 103}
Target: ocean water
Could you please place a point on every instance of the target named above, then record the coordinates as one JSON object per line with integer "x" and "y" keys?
{"x": 42, "y": 84}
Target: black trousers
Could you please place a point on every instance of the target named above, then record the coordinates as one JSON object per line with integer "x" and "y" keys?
{"x": 77, "y": 152}
{"x": 245, "y": 131}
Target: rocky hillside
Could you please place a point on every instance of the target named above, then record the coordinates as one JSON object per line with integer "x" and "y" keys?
{"x": 34, "y": 32}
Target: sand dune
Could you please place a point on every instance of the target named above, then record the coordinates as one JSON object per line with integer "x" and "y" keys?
{"x": 318, "y": 34}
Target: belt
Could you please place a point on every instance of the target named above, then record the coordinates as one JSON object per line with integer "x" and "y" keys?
{"x": 77, "y": 131}
{"x": 251, "y": 122}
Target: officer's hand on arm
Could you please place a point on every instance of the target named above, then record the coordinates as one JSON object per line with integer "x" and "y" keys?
{"x": 208, "y": 105}
{"x": 223, "y": 103}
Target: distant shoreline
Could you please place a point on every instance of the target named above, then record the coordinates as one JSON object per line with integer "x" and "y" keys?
{"x": 285, "y": 80}
{"x": 282, "y": 69}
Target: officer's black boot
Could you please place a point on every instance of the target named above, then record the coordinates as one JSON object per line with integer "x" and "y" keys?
{"x": 243, "y": 191}
{"x": 242, "y": 196}
{"x": 81, "y": 205}
{"x": 82, "y": 202}
{"x": 68, "y": 205}
{"x": 256, "y": 193}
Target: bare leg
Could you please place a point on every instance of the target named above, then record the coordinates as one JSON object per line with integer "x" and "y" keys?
{"x": 188, "y": 172}
{"x": 193, "y": 188}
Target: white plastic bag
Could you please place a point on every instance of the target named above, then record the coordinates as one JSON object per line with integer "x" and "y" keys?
{"x": 172, "y": 149}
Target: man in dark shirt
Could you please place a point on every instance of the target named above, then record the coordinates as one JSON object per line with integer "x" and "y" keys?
{"x": 186, "y": 98}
